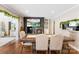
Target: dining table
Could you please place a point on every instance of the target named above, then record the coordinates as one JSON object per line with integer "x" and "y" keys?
{"x": 32, "y": 38}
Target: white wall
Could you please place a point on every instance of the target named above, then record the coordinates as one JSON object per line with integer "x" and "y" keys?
{"x": 71, "y": 14}
{"x": 50, "y": 26}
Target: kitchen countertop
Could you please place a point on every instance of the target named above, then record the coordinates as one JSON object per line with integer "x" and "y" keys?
{"x": 6, "y": 40}
{"x": 6, "y": 36}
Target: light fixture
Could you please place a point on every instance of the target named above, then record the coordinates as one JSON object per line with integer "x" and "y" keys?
{"x": 27, "y": 11}
{"x": 52, "y": 11}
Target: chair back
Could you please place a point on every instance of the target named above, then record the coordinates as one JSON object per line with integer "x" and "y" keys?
{"x": 41, "y": 42}
{"x": 22, "y": 34}
{"x": 56, "y": 42}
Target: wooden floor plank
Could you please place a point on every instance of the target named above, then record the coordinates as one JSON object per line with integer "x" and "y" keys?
{"x": 15, "y": 48}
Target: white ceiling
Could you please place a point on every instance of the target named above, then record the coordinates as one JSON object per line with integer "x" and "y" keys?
{"x": 39, "y": 10}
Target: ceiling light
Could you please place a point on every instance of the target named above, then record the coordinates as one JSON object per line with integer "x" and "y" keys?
{"x": 27, "y": 11}
{"x": 52, "y": 12}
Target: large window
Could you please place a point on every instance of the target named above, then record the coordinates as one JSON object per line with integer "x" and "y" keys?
{"x": 72, "y": 24}
{"x": 8, "y": 25}
{"x": 34, "y": 25}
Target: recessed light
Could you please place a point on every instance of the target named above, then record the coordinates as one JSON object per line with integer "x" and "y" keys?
{"x": 27, "y": 11}
{"x": 52, "y": 11}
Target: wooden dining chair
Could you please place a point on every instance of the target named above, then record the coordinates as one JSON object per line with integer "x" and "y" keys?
{"x": 42, "y": 43}
{"x": 56, "y": 43}
{"x": 24, "y": 42}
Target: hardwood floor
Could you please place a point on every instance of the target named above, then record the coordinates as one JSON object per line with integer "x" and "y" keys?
{"x": 15, "y": 48}
{"x": 7, "y": 49}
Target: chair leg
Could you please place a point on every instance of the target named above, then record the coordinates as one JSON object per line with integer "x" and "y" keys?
{"x": 69, "y": 51}
{"x": 36, "y": 52}
{"x": 22, "y": 49}
{"x": 49, "y": 52}
{"x": 46, "y": 52}
{"x": 60, "y": 51}
{"x": 31, "y": 49}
